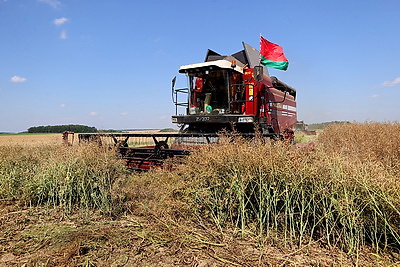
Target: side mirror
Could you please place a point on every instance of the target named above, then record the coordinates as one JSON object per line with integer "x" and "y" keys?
{"x": 258, "y": 73}
{"x": 172, "y": 89}
{"x": 173, "y": 82}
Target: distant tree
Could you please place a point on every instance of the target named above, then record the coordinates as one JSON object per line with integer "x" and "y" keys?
{"x": 166, "y": 130}
{"x": 110, "y": 131}
{"x": 61, "y": 128}
{"x": 323, "y": 125}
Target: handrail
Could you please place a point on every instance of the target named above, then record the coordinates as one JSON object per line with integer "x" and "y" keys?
{"x": 175, "y": 93}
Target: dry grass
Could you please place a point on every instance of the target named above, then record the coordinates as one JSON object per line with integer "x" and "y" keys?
{"x": 30, "y": 139}
{"x": 341, "y": 193}
{"x": 377, "y": 143}
{"x": 293, "y": 195}
{"x": 46, "y": 237}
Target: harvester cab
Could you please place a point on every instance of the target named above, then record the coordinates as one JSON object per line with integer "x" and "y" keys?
{"x": 235, "y": 93}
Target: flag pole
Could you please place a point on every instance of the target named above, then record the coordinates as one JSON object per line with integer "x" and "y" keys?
{"x": 259, "y": 52}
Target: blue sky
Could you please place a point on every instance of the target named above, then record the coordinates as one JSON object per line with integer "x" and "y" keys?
{"x": 109, "y": 64}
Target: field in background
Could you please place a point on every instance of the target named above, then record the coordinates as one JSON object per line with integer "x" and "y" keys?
{"x": 56, "y": 139}
{"x": 30, "y": 139}
{"x": 333, "y": 202}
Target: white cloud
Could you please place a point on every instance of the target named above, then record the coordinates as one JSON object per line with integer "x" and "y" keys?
{"x": 52, "y": 3}
{"x": 63, "y": 35}
{"x": 17, "y": 79}
{"x": 63, "y": 105}
{"x": 124, "y": 113}
{"x": 374, "y": 96}
{"x": 60, "y": 21}
{"x": 93, "y": 113}
{"x": 392, "y": 83}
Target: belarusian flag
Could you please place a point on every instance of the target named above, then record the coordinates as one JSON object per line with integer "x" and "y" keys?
{"x": 272, "y": 55}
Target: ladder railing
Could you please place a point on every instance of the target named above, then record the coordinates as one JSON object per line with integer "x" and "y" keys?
{"x": 175, "y": 98}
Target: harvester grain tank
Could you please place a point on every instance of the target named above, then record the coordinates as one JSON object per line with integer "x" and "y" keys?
{"x": 225, "y": 93}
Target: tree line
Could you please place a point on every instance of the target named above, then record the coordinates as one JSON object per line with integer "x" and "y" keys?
{"x": 322, "y": 125}
{"x": 62, "y": 128}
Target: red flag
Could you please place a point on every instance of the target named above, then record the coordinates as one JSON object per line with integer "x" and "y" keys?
{"x": 272, "y": 55}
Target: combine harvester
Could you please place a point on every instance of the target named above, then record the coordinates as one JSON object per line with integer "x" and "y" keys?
{"x": 225, "y": 93}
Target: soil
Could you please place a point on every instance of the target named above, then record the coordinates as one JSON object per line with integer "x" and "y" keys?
{"x": 43, "y": 236}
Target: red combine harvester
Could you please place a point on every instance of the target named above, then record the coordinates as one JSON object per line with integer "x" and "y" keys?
{"x": 225, "y": 93}
{"x": 235, "y": 93}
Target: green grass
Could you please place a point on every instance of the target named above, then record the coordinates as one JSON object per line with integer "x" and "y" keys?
{"x": 301, "y": 138}
{"x": 64, "y": 177}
